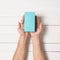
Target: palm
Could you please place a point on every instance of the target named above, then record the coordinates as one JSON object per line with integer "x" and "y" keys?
{"x": 21, "y": 28}
{"x": 39, "y": 28}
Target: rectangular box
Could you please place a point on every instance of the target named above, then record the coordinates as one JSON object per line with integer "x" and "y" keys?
{"x": 29, "y": 22}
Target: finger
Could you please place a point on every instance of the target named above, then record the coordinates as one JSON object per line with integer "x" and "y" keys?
{"x": 19, "y": 25}
{"x": 40, "y": 26}
{"x": 22, "y": 26}
{"x": 38, "y": 20}
{"x": 22, "y": 20}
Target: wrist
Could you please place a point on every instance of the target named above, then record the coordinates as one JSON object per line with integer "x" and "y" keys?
{"x": 23, "y": 37}
{"x": 22, "y": 41}
{"x": 35, "y": 37}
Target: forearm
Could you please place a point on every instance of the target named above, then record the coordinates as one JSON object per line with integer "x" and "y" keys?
{"x": 21, "y": 50}
{"x": 37, "y": 49}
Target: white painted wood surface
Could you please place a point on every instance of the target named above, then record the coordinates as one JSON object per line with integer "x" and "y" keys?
{"x": 11, "y": 12}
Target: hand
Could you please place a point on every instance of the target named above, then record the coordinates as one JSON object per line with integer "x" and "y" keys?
{"x": 22, "y": 48}
{"x": 38, "y": 31}
{"x": 21, "y": 29}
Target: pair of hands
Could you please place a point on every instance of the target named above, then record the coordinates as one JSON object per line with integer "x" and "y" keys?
{"x": 33, "y": 34}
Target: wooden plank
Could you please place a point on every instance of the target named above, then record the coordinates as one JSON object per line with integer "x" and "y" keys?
{"x": 9, "y": 55}
{"x": 11, "y": 47}
{"x": 50, "y": 10}
{"x": 10, "y": 34}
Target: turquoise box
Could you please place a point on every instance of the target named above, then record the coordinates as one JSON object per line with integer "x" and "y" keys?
{"x": 29, "y": 22}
